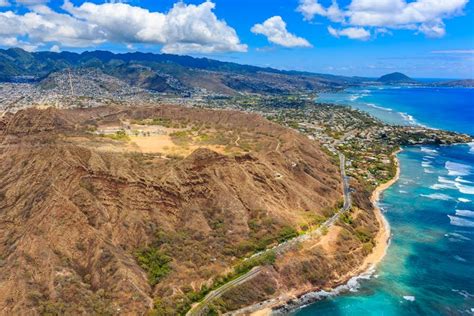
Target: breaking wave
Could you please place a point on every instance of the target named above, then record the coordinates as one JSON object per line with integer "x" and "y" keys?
{"x": 466, "y": 189}
{"x": 463, "y": 293}
{"x": 426, "y": 163}
{"x": 457, "y": 237}
{"x": 357, "y": 96}
{"x": 471, "y": 149}
{"x": 457, "y": 169}
{"x": 429, "y": 150}
{"x": 437, "y": 196}
{"x": 465, "y": 213}
{"x": 379, "y": 107}
{"x": 409, "y": 118}
{"x": 352, "y": 285}
{"x": 459, "y": 221}
{"x": 461, "y": 180}
{"x": 457, "y": 184}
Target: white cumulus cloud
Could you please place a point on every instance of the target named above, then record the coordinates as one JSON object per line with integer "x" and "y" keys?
{"x": 183, "y": 29}
{"x": 55, "y": 49}
{"x": 423, "y": 16}
{"x": 357, "y": 33}
{"x": 275, "y": 30}
{"x": 311, "y": 8}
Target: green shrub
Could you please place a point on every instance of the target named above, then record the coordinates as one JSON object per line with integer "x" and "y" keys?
{"x": 155, "y": 263}
{"x": 264, "y": 259}
{"x": 160, "y": 121}
{"x": 286, "y": 233}
{"x": 119, "y": 135}
{"x": 363, "y": 234}
{"x": 367, "y": 247}
{"x": 347, "y": 218}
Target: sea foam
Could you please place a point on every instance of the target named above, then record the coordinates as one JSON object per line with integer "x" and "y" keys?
{"x": 465, "y": 213}
{"x": 462, "y": 186}
{"x": 351, "y": 286}
{"x": 409, "y": 118}
{"x": 429, "y": 150}
{"x": 457, "y": 237}
{"x": 466, "y": 189}
{"x": 444, "y": 183}
{"x": 426, "y": 164}
{"x": 459, "y": 221}
{"x": 461, "y": 180}
{"x": 437, "y": 196}
{"x": 379, "y": 107}
{"x": 457, "y": 169}
{"x": 471, "y": 149}
{"x": 463, "y": 293}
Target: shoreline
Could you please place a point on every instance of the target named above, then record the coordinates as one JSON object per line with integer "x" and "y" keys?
{"x": 363, "y": 271}
{"x": 384, "y": 234}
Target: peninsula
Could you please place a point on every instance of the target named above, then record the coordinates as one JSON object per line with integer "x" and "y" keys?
{"x": 220, "y": 192}
{"x": 213, "y": 210}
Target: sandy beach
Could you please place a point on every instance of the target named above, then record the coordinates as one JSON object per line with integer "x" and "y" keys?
{"x": 378, "y": 253}
{"x": 383, "y": 235}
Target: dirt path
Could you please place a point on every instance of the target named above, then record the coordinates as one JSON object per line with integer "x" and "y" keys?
{"x": 237, "y": 141}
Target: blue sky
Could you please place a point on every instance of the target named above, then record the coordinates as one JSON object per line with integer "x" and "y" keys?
{"x": 423, "y": 38}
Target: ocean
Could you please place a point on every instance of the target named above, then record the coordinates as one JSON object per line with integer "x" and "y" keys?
{"x": 444, "y": 108}
{"x": 429, "y": 267}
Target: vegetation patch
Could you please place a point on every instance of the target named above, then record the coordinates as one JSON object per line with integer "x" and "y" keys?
{"x": 155, "y": 263}
{"x": 363, "y": 234}
{"x": 347, "y": 218}
{"x": 181, "y": 138}
{"x": 119, "y": 135}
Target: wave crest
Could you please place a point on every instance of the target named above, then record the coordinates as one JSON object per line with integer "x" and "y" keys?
{"x": 465, "y": 213}
{"x": 459, "y": 221}
{"x": 457, "y": 169}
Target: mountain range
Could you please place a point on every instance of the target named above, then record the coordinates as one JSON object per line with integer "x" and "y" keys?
{"x": 167, "y": 73}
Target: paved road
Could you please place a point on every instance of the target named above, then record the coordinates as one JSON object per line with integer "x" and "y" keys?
{"x": 198, "y": 309}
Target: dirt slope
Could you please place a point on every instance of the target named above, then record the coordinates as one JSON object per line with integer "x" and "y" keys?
{"x": 72, "y": 218}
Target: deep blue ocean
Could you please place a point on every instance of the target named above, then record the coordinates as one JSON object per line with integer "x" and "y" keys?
{"x": 444, "y": 108}
{"x": 429, "y": 266}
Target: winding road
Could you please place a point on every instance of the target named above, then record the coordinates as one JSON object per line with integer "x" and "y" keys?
{"x": 199, "y": 308}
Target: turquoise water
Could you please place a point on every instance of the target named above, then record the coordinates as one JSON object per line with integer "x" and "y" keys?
{"x": 429, "y": 267}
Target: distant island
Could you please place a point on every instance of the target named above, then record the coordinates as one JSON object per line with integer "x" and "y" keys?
{"x": 396, "y": 77}
{"x": 400, "y": 78}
